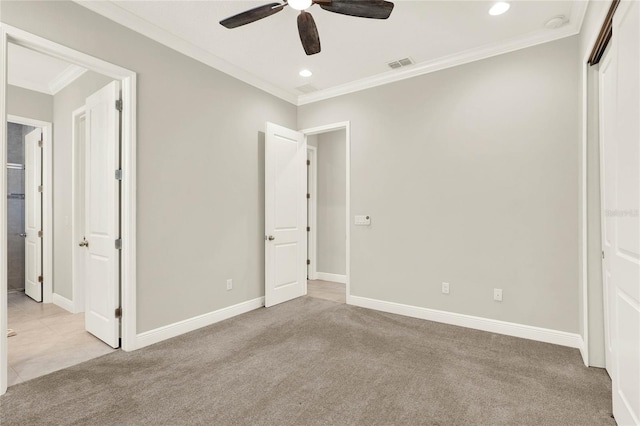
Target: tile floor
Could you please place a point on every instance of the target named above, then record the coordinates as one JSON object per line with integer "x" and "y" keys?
{"x": 48, "y": 339}
{"x": 327, "y": 290}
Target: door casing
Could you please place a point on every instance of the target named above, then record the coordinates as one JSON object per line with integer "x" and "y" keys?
{"x": 346, "y": 126}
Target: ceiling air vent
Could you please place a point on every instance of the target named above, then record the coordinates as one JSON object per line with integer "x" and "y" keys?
{"x": 307, "y": 88}
{"x": 400, "y": 63}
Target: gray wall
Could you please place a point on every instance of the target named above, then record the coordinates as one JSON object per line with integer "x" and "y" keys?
{"x": 200, "y": 165}
{"x": 65, "y": 102}
{"x": 470, "y": 175}
{"x": 29, "y": 104}
{"x": 331, "y": 211}
{"x": 595, "y": 303}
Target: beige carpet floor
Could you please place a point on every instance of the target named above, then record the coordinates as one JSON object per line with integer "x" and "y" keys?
{"x": 311, "y": 361}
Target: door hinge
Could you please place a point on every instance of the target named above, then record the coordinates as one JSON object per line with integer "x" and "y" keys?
{"x": 40, "y": 188}
{"x": 119, "y": 105}
{"x": 308, "y": 162}
{"x": 603, "y": 254}
{"x": 308, "y": 262}
{"x": 40, "y": 278}
{"x": 118, "y": 312}
{"x": 40, "y": 234}
{"x": 119, "y": 244}
{"x": 40, "y": 143}
{"x": 308, "y": 195}
{"x": 308, "y": 229}
{"x": 119, "y": 174}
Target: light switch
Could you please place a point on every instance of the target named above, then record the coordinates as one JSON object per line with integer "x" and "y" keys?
{"x": 363, "y": 220}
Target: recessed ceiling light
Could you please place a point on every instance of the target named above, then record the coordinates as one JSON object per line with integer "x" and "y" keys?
{"x": 305, "y": 73}
{"x": 499, "y": 8}
{"x": 299, "y": 4}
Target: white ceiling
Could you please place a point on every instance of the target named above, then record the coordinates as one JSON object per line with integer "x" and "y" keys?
{"x": 268, "y": 53}
{"x": 35, "y": 71}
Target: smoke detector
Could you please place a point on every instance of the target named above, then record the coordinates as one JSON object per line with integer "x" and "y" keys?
{"x": 307, "y": 88}
{"x": 556, "y": 22}
{"x": 400, "y": 63}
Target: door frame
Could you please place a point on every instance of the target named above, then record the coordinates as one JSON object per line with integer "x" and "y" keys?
{"x": 77, "y": 199}
{"x": 346, "y": 126}
{"x": 606, "y": 60}
{"x": 128, "y": 195}
{"x": 312, "y": 211}
{"x": 47, "y": 200}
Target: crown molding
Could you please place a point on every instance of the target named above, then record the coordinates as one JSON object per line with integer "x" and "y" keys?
{"x": 30, "y": 85}
{"x": 65, "y": 78}
{"x": 483, "y": 52}
{"x": 127, "y": 19}
{"x": 112, "y": 11}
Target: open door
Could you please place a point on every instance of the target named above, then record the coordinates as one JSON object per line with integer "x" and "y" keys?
{"x": 620, "y": 175}
{"x": 102, "y": 215}
{"x": 33, "y": 215}
{"x": 285, "y": 214}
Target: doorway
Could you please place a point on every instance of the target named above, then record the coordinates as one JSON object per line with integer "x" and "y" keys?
{"x": 286, "y": 211}
{"x": 327, "y": 219}
{"x": 123, "y": 315}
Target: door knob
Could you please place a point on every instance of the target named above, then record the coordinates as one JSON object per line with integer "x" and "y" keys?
{"x": 84, "y": 243}
{"x": 271, "y": 238}
{"x": 23, "y": 235}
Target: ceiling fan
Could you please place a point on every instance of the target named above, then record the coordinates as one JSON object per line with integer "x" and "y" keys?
{"x": 375, "y": 9}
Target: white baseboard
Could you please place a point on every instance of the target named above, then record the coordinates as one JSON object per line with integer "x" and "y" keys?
{"x": 584, "y": 351}
{"x": 172, "y": 330}
{"x": 63, "y": 302}
{"x": 563, "y": 338}
{"x": 336, "y": 278}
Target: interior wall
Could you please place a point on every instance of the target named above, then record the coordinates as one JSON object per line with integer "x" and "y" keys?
{"x": 29, "y": 104}
{"x": 65, "y": 102}
{"x": 200, "y": 165}
{"x": 469, "y": 175}
{"x": 331, "y": 210}
{"x": 592, "y": 23}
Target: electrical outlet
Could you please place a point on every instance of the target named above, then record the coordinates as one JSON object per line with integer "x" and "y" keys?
{"x": 445, "y": 288}
{"x": 229, "y": 284}
{"x": 497, "y": 294}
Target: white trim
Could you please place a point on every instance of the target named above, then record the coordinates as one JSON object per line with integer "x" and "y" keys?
{"x": 134, "y": 22}
{"x": 313, "y": 212}
{"x": 563, "y": 338}
{"x": 123, "y": 17}
{"x": 47, "y": 200}
{"x": 181, "y": 327}
{"x": 128, "y": 205}
{"x": 30, "y": 85}
{"x": 59, "y": 82}
{"x": 346, "y": 125}
{"x": 65, "y": 78}
{"x": 64, "y": 303}
{"x": 584, "y": 352}
{"x": 521, "y": 42}
{"x": 4, "y": 368}
{"x": 336, "y": 278}
{"x": 584, "y": 252}
{"x": 77, "y": 284}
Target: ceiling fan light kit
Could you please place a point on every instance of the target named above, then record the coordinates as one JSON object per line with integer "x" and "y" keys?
{"x": 372, "y": 9}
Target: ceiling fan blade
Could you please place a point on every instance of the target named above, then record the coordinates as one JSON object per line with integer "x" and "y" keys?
{"x": 308, "y": 33}
{"x": 375, "y": 9}
{"x": 252, "y": 15}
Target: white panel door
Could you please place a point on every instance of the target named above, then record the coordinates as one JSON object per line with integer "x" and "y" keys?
{"x": 33, "y": 215}
{"x": 102, "y": 222}
{"x": 620, "y": 149}
{"x": 285, "y": 214}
